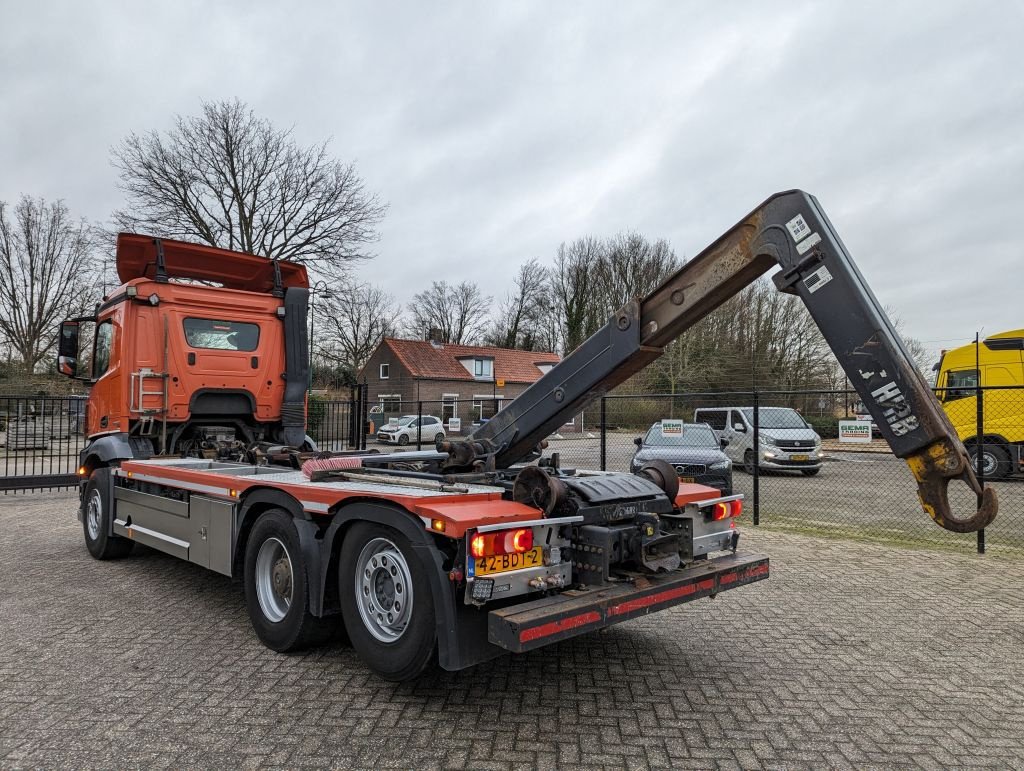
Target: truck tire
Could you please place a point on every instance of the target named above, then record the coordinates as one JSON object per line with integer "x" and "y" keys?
{"x": 386, "y": 601}
{"x": 276, "y": 590}
{"x": 995, "y": 460}
{"x": 96, "y": 518}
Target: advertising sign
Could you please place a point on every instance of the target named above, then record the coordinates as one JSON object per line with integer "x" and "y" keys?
{"x": 392, "y": 422}
{"x": 856, "y": 431}
{"x": 454, "y": 425}
{"x": 671, "y": 428}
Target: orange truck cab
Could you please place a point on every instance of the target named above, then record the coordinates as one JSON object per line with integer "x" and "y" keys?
{"x": 179, "y": 366}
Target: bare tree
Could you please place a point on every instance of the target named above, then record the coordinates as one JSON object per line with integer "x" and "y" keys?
{"x": 350, "y": 322}
{"x": 519, "y": 322}
{"x": 631, "y": 267}
{"x": 231, "y": 179}
{"x": 577, "y": 303}
{"x": 46, "y": 274}
{"x": 459, "y": 312}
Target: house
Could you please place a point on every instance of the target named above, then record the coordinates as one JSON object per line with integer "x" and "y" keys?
{"x": 469, "y": 382}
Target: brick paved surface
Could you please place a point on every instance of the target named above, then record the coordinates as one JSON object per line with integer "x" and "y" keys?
{"x": 850, "y": 656}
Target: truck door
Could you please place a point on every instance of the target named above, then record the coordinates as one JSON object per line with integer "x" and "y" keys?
{"x": 106, "y": 397}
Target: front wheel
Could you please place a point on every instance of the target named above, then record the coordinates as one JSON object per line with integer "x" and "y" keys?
{"x": 386, "y": 601}
{"x": 748, "y": 462}
{"x": 276, "y": 589}
{"x": 995, "y": 461}
{"x": 403, "y": 439}
{"x": 97, "y": 512}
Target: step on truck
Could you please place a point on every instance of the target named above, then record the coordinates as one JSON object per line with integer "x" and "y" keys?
{"x": 479, "y": 546}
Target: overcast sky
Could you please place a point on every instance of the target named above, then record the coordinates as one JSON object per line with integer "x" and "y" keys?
{"x": 495, "y": 131}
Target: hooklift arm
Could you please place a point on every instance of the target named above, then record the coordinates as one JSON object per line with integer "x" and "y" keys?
{"x": 791, "y": 230}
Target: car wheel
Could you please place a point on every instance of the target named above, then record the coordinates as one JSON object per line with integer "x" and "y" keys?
{"x": 403, "y": 439}
{"x": 439, "y": 436}
{"x": 748, "y": 461}
{"x": 386, "y": 601}
{"x": 809, "y": 472}
{"x": 995, "y": 461}
{"x": 96, "y": 519}
{"x": 276, "y": 591}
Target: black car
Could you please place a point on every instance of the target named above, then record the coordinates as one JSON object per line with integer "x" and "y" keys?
{"x": 695, "y": 452}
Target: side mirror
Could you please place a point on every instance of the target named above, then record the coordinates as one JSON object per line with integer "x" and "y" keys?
{"x": 739, "y": 427}
{"x": 67, "y": 349}
{"x": 724, "y": 443}
{"x": 639, "y": 442}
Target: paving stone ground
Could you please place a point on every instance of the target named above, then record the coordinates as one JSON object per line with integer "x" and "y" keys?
{"x": 850, "y": 656}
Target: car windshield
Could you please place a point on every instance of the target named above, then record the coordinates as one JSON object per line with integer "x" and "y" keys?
{"x": 692, "y": 436}
{"x": 776, "y": 417}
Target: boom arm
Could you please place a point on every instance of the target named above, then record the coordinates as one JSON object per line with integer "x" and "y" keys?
{"x": 791, "y": 230}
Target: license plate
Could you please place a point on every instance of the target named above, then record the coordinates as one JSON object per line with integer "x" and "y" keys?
{"x": 685, "y": 479}
{"x": 798, "y": 457}
{"x": 500, "y": 563}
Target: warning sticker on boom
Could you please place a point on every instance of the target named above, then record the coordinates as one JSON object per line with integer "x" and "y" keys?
{"x": 798, "y": 228}
{"x": 817, "y": 279}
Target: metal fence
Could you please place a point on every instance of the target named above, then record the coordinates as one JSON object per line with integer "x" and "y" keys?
{"x": 861, "y": 490}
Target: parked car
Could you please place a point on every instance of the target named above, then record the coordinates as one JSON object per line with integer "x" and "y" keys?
{"x": 786, "y": 441}
{"x": 427, "y": 427}
{"x": 696, "y": 453}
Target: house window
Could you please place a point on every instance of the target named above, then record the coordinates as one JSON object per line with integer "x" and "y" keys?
{"x": 390, "y": 404}
{"x": 483, "y": 368}
{"x": 486, "y": 405}
{"x": 384, "y": 371}
{"x": 449, "y": 407}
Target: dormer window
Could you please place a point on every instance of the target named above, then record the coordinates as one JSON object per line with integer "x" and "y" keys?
{"x": 483, "y": 369}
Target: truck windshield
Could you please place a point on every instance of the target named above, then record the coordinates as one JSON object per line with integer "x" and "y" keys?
{"x": 775, "y": 417}
{"x": 692, "y": 436}
{"x": 221, "y": 335}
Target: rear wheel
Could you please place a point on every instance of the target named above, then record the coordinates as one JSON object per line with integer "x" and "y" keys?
{"x": 96, "y": 519}
{"x": 386, "y": 601}
{"x": 276, "y": 590}
{"x": 995, "y": 460}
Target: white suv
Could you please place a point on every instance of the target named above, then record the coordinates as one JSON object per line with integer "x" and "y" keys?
{"x": 427, "y": 427}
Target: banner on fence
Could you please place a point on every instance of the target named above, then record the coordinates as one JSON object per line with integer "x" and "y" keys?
{"x": 855, "y": 431}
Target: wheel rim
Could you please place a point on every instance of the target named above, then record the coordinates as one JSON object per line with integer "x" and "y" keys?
{"x": 384, "y": 592}
{"x": 274, "y": 579}
{"x": 989, "y": 464}
{"x": 94, "y": 514}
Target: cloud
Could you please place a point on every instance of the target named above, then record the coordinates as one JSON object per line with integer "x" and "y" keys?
{"x": 497, "y": 131}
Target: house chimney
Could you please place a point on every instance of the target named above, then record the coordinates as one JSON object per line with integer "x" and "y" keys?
{"x": 435, "y": 336}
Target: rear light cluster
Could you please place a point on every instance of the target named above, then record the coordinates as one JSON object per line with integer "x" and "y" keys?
{"x": 502, "y": 542}
{"x": 726, "y": 509}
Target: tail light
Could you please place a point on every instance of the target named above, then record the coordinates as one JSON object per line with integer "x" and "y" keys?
{"x": 502, "y": 542}
{"x": 726, "y": 509}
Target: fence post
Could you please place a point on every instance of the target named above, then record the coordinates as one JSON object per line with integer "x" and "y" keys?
{"x": 756, "y": 443}
{"x": 604, "y": 433}
{"x": 979, "y": 464}
{"x": 419, "y": 425}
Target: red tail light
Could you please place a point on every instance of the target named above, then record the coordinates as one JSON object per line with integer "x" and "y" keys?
{"x": 502, "y": 542}
{"x": 726, "y": 509}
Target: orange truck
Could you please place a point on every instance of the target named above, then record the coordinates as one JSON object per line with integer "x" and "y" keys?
{"x": 196, "y": 447}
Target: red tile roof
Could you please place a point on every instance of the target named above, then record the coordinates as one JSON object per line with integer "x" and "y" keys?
{"x": 430, "y": 360}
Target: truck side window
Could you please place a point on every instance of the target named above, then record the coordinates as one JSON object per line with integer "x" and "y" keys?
{"x": 101, "y": 357}
{"x": 714, "y": 418}
{"x": 961, "y": 384}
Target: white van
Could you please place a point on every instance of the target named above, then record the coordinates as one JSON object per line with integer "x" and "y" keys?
{"x": 786, "y": 441}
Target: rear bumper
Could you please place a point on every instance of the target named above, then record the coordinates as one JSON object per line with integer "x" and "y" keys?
{"x": 531, "y": 625}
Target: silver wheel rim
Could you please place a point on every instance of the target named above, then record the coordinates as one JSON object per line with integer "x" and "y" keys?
{"x": 93, "y": 515}
{"x": 274, "y": 579}
{"x": 384, "y": 592}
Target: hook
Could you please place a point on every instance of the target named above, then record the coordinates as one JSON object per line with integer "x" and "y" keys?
{"x": 933, "y": 466}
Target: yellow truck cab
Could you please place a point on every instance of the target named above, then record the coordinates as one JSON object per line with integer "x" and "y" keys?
{"x": 997, "y": 364}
